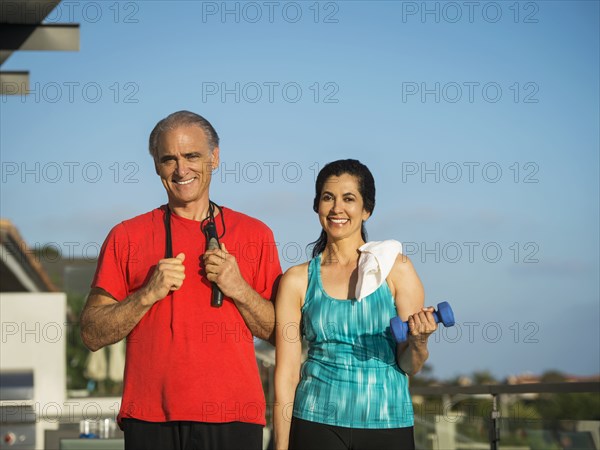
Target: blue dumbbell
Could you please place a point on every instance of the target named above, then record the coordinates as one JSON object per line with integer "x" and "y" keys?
{"x": 444, "y": 314}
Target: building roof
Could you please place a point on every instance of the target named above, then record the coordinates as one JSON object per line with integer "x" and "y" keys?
{"x": 20, "y": 271}
{"x": 22, "y": 28}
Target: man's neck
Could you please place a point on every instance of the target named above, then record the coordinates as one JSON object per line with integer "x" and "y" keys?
{"x": 196, "y": 211}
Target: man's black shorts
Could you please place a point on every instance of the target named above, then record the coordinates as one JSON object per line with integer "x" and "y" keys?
{"x": 141, "y": 435}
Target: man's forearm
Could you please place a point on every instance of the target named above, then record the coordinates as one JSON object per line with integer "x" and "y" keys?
{"x": 258, "y": 314}
{"x": 105, "y": 324}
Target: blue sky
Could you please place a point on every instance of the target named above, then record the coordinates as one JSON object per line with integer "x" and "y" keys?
{"x": 479, "y": 122}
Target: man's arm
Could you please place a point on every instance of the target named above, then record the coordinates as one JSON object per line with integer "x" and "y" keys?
{"x": 258, "y": 313}
{"x": 104, "y": 320}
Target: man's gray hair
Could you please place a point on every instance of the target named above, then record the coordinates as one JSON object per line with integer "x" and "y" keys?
{"x": 178, "y": 119}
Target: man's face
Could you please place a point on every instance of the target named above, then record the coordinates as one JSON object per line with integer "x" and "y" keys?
{"x": 185, "y": 164}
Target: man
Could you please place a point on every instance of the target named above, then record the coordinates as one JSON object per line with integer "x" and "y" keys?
{"x": 191, "y": 379}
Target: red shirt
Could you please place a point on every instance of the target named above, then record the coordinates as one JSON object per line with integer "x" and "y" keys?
{"x": 185, "y": 359}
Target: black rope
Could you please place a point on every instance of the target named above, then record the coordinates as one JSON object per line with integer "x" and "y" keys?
{"x": 211, "y": 216}
{"x": 169, "y": 241}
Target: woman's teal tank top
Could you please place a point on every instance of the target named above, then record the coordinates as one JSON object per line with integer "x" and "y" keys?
{"x": 350, "y": 378}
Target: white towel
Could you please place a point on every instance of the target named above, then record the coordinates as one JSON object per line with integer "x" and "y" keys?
{"x": 374, "y": 264}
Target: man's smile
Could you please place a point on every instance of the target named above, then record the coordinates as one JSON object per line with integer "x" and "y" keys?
{"x": 183, "y": 182}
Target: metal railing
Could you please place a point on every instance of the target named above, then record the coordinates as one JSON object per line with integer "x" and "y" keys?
{"x": 495, "y": 390}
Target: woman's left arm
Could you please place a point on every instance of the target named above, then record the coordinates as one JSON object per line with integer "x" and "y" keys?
{"x": 409, "y": 297}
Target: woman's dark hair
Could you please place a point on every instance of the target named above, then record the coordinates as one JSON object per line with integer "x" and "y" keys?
{"x": 366, "y": 187}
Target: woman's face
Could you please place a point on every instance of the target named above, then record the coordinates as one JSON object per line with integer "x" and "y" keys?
{"x": 341, "y": 208}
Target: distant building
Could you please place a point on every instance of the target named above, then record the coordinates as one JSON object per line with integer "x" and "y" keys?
{"x": 71, "y": 274}
{"x": 20, "y": 269}
{"x": 582, "y": 379}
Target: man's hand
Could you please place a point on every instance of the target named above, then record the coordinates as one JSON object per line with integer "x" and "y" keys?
{"x": 222, "y": 268}
{"x": 168, "y": 276}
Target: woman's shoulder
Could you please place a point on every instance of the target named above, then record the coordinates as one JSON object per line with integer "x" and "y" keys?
{"x": 297, "y": 273}
{"x": 402, "y": 264}
{"x": 402, "y": 272}
{"x": 293, "y": 285}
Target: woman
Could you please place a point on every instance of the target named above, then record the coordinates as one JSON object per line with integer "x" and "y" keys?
{"x": 352, "y": 391}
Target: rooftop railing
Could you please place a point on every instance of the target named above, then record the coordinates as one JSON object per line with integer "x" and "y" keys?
{"x": 501, "y": 417}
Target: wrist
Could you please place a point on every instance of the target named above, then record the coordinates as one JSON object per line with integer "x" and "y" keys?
{"x": 241, "y": 294}
{"x": 419, "y": 343}
{"x": 145, "y": 297}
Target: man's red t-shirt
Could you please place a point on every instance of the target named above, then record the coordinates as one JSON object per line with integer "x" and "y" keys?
{"x": 185, "y": 359}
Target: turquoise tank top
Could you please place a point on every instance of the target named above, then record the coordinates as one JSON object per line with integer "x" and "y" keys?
{"x": 350, "y": 377}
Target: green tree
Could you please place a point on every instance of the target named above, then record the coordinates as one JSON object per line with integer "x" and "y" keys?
{"x": 483, "y": 377}
{"x": 424, "y": 377}
{"x": 77, "y": 353}
{"x": 552, "y": 376}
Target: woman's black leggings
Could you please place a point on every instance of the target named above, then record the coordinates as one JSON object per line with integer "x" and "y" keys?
{"x": 306, "y": 435}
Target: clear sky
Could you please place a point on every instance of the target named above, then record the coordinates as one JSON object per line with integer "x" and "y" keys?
{"x": 479, "y": 120}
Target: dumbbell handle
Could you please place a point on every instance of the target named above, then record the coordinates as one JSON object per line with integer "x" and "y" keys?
{"x": 444, "y": 315}
{"x": 437, "y": 318}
